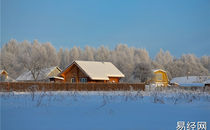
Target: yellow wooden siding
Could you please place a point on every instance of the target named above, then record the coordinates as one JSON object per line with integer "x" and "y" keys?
{"x": 4, "y": 73}
{"x": 161, "y": 78}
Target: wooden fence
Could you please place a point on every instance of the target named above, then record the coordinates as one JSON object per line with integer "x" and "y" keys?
{"x": 44, "y": 86}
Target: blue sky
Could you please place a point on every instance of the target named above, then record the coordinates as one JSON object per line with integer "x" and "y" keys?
{"x": 180, "y": 26}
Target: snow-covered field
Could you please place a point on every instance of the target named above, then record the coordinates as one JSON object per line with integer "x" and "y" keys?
{"x": 153, "y": 110}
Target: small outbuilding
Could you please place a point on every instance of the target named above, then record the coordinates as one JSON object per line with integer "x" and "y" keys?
{"x": 44, "y": 75}
{"x": 56, "y": 79}
{"x": 4, "y": 76}
{"x": 91, "y": 72}
{"x": 207, "y": 83}
{"x": 186, "y": 81}
{"x": 160, "y": 78}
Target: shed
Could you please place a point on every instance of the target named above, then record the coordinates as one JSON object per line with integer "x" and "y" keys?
{"x": 4, "y": 77}
{"x": 160, "y": 78}
{"x": 4, "y": 73}
{"x": 44, "y": 74}
{"x": 207, "y": 83}
{"x": 191, "y": 80}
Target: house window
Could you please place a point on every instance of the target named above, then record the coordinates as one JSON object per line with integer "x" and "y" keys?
{"x": 72, "y": 80}
{"x": 83, "y": 80}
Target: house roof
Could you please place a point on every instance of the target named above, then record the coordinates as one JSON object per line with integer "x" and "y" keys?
{"x": 43, "y": 74}
{"x": 207, "y": 81}
{"x": 1, "y": 71}
{"x": 190, "y": 79}
{"x": 155, "y": 70}
{"x": 97, "y": 70}
{"x": 57, "y": 77}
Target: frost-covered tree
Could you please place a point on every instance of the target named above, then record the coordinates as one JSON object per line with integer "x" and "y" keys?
{"x": 123, "y": 58}
{"x": 192, "y": 65}
{"x": 17, "y": 57}
{"x": 143, "y": 72}
{"x": 64, "y": 58}
{"x": 75, "y": 54}
{"x": 52, "y": 57}
{"x": 60, "y": 58}
{"x": 88, "y": 53}
{"x": 33, "y": 58}
{"x": 205, "y": 61}
{"x": 102, "y": 54}
{"x": 163, "y": 58}
{"x": 8, "y": 60}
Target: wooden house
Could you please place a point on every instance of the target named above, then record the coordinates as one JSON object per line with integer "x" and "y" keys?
{"x": 91, "y": 72}
{"x": 4, "y": 73}
{"x": 44, "y": 75}
{"x": 4, "y": 77}
{"x": 160, "y": 78}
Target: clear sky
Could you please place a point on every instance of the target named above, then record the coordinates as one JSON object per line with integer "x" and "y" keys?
{"x": 180, "y": 26}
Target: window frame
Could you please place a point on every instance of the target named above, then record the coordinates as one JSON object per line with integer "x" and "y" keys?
{"x": 73, "y": 80}
{"x": 83, "y": 80}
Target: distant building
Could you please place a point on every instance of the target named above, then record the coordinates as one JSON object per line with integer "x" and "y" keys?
{"x": 44, "y": 75}
{"x": 4, "y": 77}
{"x": 56, "y": 79}
{"x": 207, "y": 83}
{"x": 4, "y": 74}
{"x": 190, "y": 80}
{"x": 91, "y": 71}
{"x": 160, "y": 78}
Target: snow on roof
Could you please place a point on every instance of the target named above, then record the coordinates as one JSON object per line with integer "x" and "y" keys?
{"x": 154, "y": 70}
{"x": 43, "y": 74}
{"x": 2, "y": 71}
{"x": 57, "y": 77}
{"x": 98, "y": 70}
{"x": 189, "y": 79}
{"x": 207, "y": 81}
{"x": 192, "y": 85}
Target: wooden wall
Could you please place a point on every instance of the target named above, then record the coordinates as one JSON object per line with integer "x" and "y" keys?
{"x": 74, "y": 72}
{"x": 114, "y": 79}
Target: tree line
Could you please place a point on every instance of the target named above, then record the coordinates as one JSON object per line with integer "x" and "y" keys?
{"x": 18, "y": 57}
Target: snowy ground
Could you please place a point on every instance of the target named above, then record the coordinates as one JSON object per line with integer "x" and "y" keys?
{"x": 102, "y": 110}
